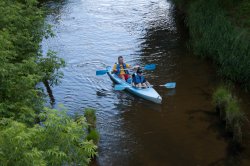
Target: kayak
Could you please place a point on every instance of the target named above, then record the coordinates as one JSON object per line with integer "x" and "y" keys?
{"x": 145, "y": 93}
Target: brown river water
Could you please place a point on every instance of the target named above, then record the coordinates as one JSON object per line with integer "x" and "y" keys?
{"x": 184, "y": 129}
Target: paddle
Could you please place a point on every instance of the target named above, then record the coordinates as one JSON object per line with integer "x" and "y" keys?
{"x": 146, "y": 67}
{"x": 169, "y": 85}
{"x": 149, "y": 67}
{"x": 101, "y": 72}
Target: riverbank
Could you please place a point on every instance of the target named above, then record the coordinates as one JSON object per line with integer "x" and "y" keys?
{"x": 220, "y": 30}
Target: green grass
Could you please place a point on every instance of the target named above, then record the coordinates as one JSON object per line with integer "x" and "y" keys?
{"x": 219, "y": 30}
{"x": 239, "y": 13}
{"x": 229, "y": 109}
{"x": 221, "y": 98}
{"x": 94, "y": 135}
{"x": 234, "y": 120}
{"x": 90, "y": 116}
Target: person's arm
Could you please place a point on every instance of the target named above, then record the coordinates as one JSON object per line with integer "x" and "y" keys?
{"x": 128, "y": 66}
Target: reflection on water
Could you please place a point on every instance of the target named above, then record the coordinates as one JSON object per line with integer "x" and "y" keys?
{"x": 91, "y": 34}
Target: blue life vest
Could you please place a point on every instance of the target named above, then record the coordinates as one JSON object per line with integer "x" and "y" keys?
{"x": 138, "y": 79}
{"x": 118, "y": 68}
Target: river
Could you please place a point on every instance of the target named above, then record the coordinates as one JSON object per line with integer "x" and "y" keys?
{"x": 91, "y": 34}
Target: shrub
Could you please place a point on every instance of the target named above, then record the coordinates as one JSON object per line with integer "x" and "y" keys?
{"x": 59, "y": 140}
{"x": 22, "y": 65}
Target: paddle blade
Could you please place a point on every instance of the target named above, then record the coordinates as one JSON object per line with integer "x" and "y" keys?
{"x": 120, "y": 87}
{"x": 170, "y": 85}
{"x": 150, "y": 67}
{"x": 101, "y": 72}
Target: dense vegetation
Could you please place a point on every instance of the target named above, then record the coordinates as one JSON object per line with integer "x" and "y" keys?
{"x": 57, "y": 139}
{"x": 220, "y": 30}
{"x": 60, "y": 140}
{"x": 229, "y": 110}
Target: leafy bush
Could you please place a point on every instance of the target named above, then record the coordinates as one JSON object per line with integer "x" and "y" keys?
{"x": 22, "y": 65}
{"x": 59, "y": 140}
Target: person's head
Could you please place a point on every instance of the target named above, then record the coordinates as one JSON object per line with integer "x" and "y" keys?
{"x": 139, "y": 71}
{"x": 120, "y": 59}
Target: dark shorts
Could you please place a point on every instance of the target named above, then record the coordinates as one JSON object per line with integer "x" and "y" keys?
{"x": 139, "y": 82}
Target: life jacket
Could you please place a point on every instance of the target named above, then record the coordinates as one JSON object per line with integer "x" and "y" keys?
{"x": 118, "y": 68}
{"x": 138, "y": 79}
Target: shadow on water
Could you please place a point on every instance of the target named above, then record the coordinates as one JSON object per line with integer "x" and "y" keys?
{"x": 234, "y": 151}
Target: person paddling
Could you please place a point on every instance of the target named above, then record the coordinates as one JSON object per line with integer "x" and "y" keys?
{"x": 138, "y": 80}
{"x": 121, "y": 69}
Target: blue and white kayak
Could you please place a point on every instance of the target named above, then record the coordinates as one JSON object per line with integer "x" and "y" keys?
{"x": 145, "y": 93}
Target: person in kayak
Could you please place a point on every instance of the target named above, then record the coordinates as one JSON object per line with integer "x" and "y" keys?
{"x": 121, "y": 69}
{"x": 138, "y": 80}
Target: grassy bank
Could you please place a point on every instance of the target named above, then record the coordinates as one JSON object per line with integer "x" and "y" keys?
{"x": 29, "y": 133}
{"x": 229, "y": 111}
{"x": 220, "y": 30}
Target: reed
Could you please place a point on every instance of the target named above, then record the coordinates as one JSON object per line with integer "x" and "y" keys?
{"x": 221, "y": 98}
{"x": 220, "y": 30}
{"x": 93, "y": 134}
{"x": 90, "y": 116}
{"x": 234, "y": 120}
{"x": 230, "y": 113}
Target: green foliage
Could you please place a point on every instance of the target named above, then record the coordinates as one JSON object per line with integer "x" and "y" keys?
{"x": 215, "y": 35}
{"x": 221, "y": 98}
{"x": 52, "y": 65}
{"x": 229, "y": 110}
{"x": 235, "y": 120}
{"x": 90, "y": 116}
{"x": 22, "y": 66}
{"x": 59, "y": 140}
{"x": 93, "y": 135}
{"x": 239, "y": 13}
